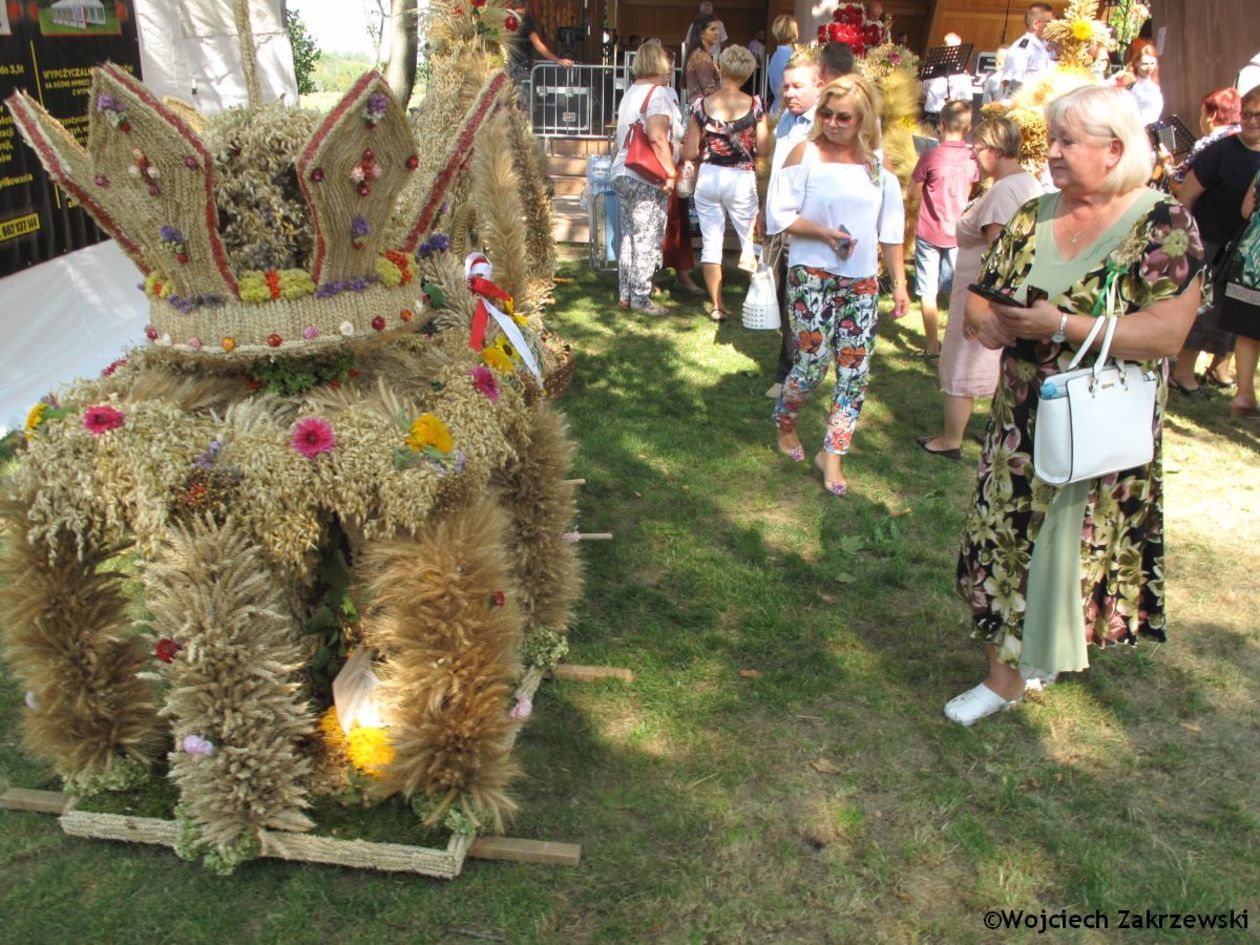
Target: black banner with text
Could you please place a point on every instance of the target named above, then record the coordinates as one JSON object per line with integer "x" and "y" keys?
{"x": 47, "y": 49}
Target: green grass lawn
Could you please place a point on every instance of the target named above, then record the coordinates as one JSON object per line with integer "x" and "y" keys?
{"x": 109, "y": 28}
{"x": 780, "y": 770}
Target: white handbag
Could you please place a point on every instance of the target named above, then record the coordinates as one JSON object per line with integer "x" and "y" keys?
{"x": 1094, "y": 421}
{"x": 761, "y": 304}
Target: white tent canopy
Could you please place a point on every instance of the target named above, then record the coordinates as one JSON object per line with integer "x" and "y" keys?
{"x": 70, "y": 317}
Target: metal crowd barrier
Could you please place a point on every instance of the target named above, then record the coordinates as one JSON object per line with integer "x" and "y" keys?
{"x": 578, "y": 101}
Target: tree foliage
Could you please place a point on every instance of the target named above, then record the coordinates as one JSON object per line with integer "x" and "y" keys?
{"x": 305, "y": 52}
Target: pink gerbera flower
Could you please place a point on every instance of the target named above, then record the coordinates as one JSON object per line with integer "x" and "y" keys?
{"x": 102, "y": 418}
{"x": 483, "y": 379}
{"x": 312, "y": 436}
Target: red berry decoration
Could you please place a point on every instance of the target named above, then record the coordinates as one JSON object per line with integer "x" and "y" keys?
{"x": 317, "y": 175}
{"x": 379, "y": 323}
{"x": 150, "y": 332}
{"x": 364, "y": 189}
{"x": 511, "y": 23}
{"x": 498, "y": 599}
{"x": 166, "y": 650}
{"x": 368, "y": 154}
{"x": 274, "y": 341}
{"x": 182, "y": 257}
{"x": 412, "y": 163}
{"x": 406, "y": 315}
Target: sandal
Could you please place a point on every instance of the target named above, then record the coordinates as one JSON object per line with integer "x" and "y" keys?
{"x": 976, "y": 704}
{"x": 1212, "y": 379}
{"x": 717, "y": 315}
{"x": 1182, "y": 388}
{"x": 796, "y": 454}
{"x": 838, "y": 489}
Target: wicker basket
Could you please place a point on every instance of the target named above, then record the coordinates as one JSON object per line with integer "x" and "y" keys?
{"x": 560, "y": 374}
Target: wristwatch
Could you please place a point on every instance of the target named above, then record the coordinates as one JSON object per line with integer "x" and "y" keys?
{"x": 1060, "y": 334}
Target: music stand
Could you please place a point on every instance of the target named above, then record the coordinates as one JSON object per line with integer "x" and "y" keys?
{"x": 1173, "y": 134}
{"x": 945, "y": 61}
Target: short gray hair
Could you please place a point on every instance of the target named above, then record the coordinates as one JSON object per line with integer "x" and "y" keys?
{"x": 1106, "y": 113}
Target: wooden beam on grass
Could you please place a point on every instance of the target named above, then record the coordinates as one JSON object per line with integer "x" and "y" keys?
{"x": 591, "y": 673}
{"x": 515, "y": 850}
{"x": 41, "y": 802}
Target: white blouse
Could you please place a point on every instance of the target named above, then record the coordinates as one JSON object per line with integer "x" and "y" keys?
{"x": 834, "y": 195}
{"x": 1150, "y": 100}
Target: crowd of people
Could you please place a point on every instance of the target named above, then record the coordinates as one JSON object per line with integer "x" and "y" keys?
{"x": 1110, "y": 227}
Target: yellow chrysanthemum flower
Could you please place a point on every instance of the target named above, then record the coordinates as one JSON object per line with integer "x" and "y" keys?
{"x": 429, "y": 430}
{"x": 330, "y": 729}
{"x": 497, "y": 360}
{"x": 370, "y": 750}
{"x": 1082, "y": 29}
{"x": 35, "y": 418}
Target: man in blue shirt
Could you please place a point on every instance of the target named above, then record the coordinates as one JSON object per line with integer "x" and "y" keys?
{"x": 802, "y": 82}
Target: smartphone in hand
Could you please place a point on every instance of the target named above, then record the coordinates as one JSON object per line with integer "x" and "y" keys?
{"x": 990, "y": 294}
{"x": 846, "y": 244}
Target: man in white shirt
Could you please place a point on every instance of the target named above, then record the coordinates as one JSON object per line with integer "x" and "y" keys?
{"x": 1028, "y": 58}
{"x": 802, "y": 82}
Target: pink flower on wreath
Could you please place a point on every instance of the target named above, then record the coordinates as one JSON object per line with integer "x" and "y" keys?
{"x": 196, "y": 745}
{"x": 484, "y": 381}
{"x": 312, "y": 436}
{"x": 113, "y": 366}
{"x": 523, "y": 708}
{"x": 102, "y": 418}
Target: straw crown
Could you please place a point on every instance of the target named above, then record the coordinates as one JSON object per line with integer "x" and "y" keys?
{"x": 149, "y": 180}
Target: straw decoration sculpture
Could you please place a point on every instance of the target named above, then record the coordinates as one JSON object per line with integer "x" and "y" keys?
{"x": 234, "y": 697}
{"x": 450, "y": 637}
{"x": 542, "y": 508}
{"x": 66, "y": 644}
{"x": 314, "y": 452}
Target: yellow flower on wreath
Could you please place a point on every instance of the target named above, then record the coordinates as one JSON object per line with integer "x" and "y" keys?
{"x": 370, "y": 750}
{"x": 429, "y": 430}
{"x": 330, "y": 730}
{"x": 498, "y": 359}
{"x": 34, "y": 419}
{"x": 1083, "y": 30}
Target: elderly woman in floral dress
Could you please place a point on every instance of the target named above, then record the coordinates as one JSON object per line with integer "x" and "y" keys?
{"x": 1048, "y": 569}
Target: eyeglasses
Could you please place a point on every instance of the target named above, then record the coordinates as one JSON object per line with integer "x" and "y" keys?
{"x": 1251, "y": 116}
{"x": 841, "y": 118}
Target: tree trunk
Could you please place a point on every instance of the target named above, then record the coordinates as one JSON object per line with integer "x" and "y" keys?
{"x": 404, "y": 46}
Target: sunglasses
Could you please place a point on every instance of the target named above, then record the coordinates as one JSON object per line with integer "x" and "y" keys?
{"x": 1251, "y": 116}
{"x": 841, "y": 118}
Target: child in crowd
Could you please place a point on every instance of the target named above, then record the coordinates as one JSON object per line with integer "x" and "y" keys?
{"x": 943, "y": 178}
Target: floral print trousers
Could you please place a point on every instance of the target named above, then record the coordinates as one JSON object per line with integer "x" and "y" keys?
{"x": 833, "y": 320}
{"x": 643, "y": 211}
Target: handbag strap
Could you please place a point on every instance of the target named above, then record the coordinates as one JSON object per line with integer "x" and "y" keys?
{"x": 1104, "y": 315}
{"x": 647, "y": 98}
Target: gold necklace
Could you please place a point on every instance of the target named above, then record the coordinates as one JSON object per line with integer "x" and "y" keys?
{"x": 1074, "y": 235}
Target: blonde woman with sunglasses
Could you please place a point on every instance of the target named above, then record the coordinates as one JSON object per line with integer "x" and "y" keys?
{"x": 842, "y": 208}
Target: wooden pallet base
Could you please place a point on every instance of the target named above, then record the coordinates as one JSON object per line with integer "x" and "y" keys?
{"x": 311, "y": 848}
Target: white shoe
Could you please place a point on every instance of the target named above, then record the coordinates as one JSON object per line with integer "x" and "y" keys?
{"x": 774, "y": 391}
{"x": 975, "y": 704}
{"x": 1038, "y": 683}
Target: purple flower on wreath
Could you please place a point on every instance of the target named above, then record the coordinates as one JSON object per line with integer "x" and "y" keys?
{"x": 206, "y": 460}
{"x": 171, "y": 234}
{"x": 196, "y": 745}
{"x": 358, "y": 229}
{"x": 107, "y": 103}
{"x": 377, "y": 103}
{"x": 437, "y": 243}
{"x": 113, "y": 110}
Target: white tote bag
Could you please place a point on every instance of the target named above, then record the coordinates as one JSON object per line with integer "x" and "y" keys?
{"x": 1094, "y": 421}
